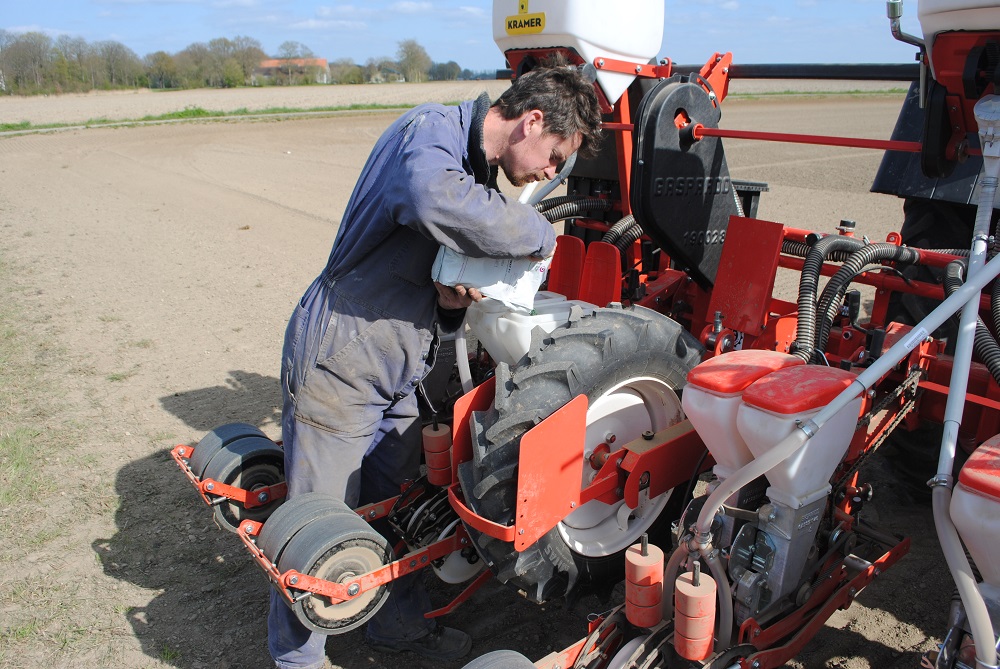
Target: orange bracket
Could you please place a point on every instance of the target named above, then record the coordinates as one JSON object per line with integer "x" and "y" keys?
{"x": 248, "y": 498}
{"x": 342, "y": 592}
{"x": 214, "y": 492}
{"x": 626, "y": 67}
{"x": 809, "y": 619}
{"x": 550, "y": 469}
{"x": 664, "y": 461}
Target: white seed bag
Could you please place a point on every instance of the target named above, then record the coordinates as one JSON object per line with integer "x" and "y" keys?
{"x": 513, "y": 281}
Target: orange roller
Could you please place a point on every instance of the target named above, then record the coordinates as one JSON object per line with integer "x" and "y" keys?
{"x": 692, "y": 600}
{"x": 440, "y": 460}
{"x": 643, "y": 584}
{"x": 436, "y": 439}
{"x": 694, "y": 616}
{"x": 644, "y": 569}
{"x": 643, "y": 616}
{"x": 437, "y": 454}
{"x": 694, "y": 628}
{"x": 692, "y": 649}
{"x": 644, "y": 595}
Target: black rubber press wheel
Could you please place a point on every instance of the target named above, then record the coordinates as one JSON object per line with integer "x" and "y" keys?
{"x": 630, "y": 363}
{"x": 337, "y": 548}
{"x": 214, "y": 441}
{"x": 250, "y": 463}
{"x": 292, "y": 516}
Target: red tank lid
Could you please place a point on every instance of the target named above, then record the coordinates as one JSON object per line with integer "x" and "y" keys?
{"x": 981, "y": 472}
{"x": 797, "y": 389}
{"x": 732, "y": 372}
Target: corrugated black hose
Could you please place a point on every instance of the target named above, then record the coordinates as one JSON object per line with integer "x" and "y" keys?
{"x": 985, "y": 345}
{"x": 836, "y": 287}
{"x": 805, "y": 332}
{"x": 576, "y": 208}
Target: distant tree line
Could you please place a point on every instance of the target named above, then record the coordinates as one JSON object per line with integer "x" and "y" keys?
{"x": 33, "y": 63}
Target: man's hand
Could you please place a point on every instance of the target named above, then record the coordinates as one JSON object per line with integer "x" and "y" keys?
{"x": 458, "y": 297}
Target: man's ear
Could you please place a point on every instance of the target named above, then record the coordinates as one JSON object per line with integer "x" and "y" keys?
{"x": 533, "y": 122}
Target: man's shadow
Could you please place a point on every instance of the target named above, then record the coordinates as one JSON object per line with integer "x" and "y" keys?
{"x": 245, "y": 397}
{"x": 210, "y": 609}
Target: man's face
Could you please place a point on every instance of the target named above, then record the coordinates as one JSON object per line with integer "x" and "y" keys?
{"x": 536, "y": 155}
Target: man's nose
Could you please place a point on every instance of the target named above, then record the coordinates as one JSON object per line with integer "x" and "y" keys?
{"x": 550, "y": 172}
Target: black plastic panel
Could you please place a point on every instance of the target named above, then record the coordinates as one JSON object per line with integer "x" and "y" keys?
{"x": 682, "y": 194}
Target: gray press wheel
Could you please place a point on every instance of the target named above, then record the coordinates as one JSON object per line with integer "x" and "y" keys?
{"x": 250, "y": 463}
{"x": 336, "y": 548}
{"x": 500, "y": 659}
{"x": 214, "y": 441}
{"x": 292, "y": 516}
{"x": 630, "y": 363}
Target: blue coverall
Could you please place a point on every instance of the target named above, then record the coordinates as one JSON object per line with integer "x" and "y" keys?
{"x": 360, "y": 338}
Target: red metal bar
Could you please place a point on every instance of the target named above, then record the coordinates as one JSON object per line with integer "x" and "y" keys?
{"x": 470, "y": 590}
{"x": 250, "y": 499}
{"x": 626, "y": 67}
{"x": 699, "y": 131}
{"x": 469, "y": 517}
{"x": 805, "y": 625}
{"x": 623, "y": 140}
{"x": 969, "y": 397}
{"x": 409, "y": 563}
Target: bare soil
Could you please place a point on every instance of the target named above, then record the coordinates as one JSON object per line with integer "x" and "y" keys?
{"x": 146, "y": 276}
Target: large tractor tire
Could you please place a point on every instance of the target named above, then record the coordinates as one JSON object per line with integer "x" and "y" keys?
{"x": 630, "y": 363}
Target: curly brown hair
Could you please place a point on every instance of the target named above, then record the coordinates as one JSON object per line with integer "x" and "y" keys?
{"x": 564, "y": 96}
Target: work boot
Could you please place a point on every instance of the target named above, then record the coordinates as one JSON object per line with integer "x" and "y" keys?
{"x": 444, "y": 643}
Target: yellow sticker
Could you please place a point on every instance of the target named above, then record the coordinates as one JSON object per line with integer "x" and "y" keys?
{"x": 526, "y": 24}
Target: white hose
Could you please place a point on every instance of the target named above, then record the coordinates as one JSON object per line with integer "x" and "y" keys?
{"x": 988, "y": 115}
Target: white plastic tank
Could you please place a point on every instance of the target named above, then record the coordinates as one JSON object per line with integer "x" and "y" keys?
{"x": 771, "y": 409}
{"x": 937, "y": 16}
{"x": 713, "y": 394}
{"x": 975, "y": 508}
{"x": 506, "y": 333}
{"x": 629, "y": 30}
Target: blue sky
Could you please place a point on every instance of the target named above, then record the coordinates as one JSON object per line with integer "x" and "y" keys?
{"x": 755, "y": 31}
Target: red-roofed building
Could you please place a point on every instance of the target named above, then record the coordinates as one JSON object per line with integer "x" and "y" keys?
{"x": 294, "y": 70}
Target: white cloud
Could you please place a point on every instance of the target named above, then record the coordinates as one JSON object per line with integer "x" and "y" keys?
{"x": 410, "y": 7}
{"x": 472, "y": 12}
{"x": 327, "y": 24}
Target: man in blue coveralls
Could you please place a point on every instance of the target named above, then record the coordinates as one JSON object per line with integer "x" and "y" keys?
{"x": 362, "y": 336}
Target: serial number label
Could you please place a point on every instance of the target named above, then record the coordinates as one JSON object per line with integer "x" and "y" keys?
{"x": 702, "y": 237}
{"x": 686, "y": 186}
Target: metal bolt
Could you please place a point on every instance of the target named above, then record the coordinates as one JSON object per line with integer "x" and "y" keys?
{"x": 293, "y": 580}
{"x": 413, "y": 563}
{"x": 610, "y": 437}
{"x": 247, "y": 528}
{"x": 572, "y": 505}
{"x": 210, "y": 486}
{"x": 353, "y": 589}
{"x": 638, "y": 69}
{"x": 521, "y": 531}
{"x": 648, "y": 435}
{"x": 600, "y": 62}
{"x": 181, "y": 452}
{"x": 756, "y": 632}
{"x": 371, "y": 514}
{"x": 852, "y": 591}
{"x": 423, "y": 558}
{"x": 262, "y": 497}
